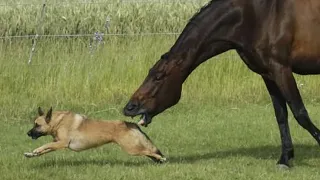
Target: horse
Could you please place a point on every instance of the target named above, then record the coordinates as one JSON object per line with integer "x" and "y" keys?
{"x": 274, "y": 38}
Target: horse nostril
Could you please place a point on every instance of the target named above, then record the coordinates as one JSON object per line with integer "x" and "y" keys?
{"x": 131, "y": 106}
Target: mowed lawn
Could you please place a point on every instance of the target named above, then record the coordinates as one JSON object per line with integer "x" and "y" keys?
{"x": 200, "y": 141}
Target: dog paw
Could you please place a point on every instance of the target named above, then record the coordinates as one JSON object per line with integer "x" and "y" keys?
{"x": 29, "y": 155}
{"x": 163, "y": 160}
{"x": 37, "y": 151}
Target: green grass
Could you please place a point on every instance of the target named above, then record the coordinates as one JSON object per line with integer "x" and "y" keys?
{"x": 222, "y": 128}
{"x": 200, "y": 142}
{"x": 64, "y": 74}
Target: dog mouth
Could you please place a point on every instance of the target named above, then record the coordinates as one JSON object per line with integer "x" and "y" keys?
{"x": 35, "y": 135}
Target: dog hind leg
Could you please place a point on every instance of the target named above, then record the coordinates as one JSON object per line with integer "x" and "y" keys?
{"x": 157, "y": 157}
{"x": 136, "y": 142}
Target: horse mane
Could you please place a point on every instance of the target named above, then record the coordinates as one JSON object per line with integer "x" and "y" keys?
{"x": 201, "y": 9}
{"x": 191, "y": 23}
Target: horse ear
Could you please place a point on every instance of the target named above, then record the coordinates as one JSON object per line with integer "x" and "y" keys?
{"x": 49, "y": 115}
{"x": 40, "y": 112}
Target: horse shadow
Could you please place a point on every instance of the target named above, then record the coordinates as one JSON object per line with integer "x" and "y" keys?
{"x": 266, "y": 152}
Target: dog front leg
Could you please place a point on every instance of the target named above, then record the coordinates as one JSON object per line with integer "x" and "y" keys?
{"x": 47, "y": 148}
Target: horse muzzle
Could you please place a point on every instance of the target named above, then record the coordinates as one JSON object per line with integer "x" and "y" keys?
{"x": 133, "y": 109}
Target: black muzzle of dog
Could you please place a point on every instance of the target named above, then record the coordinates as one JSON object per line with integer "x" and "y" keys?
{"x": 35, "y": 134}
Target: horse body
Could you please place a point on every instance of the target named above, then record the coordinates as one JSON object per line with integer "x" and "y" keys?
{"x": 305, "y": 55}
{"x": 274, "y": 38}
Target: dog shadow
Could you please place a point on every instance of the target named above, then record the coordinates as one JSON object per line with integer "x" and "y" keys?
{"x": 267, "y": 152}
{"x": 86, "y": 162}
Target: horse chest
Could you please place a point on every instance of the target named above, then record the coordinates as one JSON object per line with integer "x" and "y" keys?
{"x": 252, "y": 62}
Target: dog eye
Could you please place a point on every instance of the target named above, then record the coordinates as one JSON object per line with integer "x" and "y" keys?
{"x": 36, "y": 125}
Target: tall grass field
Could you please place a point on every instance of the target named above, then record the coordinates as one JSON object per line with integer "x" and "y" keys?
{"x": 222, "y": 128}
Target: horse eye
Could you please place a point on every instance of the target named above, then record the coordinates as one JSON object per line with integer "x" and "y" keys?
{"x": 159, "y": 76}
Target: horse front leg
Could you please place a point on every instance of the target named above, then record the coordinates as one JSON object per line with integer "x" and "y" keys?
{"x": 281, "y": 113}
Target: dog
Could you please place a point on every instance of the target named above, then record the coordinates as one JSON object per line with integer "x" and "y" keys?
{"x": 77, "y": 132}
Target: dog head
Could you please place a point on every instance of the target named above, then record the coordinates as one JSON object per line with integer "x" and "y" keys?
{"x": 41, "y": 124}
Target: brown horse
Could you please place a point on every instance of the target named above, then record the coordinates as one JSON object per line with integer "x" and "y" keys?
{"x": 274, "y": 38}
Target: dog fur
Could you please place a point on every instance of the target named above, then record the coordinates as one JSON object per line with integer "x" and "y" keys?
{"x": 77, "y": 132}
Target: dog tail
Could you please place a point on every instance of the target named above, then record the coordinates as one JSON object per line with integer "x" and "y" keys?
{"x": 136, "y": 126}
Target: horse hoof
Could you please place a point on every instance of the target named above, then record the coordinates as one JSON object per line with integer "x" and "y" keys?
{"x": 283, "y": 167}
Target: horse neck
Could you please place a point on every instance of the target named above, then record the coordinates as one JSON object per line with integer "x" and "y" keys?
{"x": 210, "y": 32}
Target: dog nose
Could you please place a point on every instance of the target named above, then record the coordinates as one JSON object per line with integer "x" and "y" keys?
{"x": 29, "y": 133}
{"x": 132, "y": 105}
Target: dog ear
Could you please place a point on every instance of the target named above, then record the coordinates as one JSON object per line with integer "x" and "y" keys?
{"x": 49, "y": 115}
{"x": 40, "y": 112}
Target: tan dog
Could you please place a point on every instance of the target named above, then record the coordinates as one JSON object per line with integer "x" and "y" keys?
{"x": 77, "y": 132}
